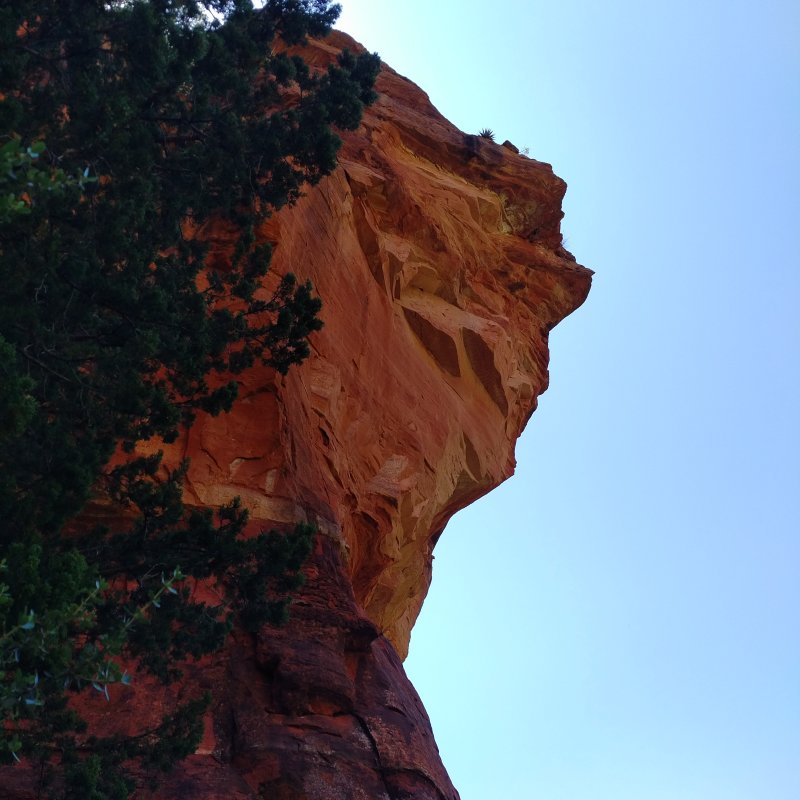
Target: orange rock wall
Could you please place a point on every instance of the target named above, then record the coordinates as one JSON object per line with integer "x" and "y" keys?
{"x": 438, "y": 257}
{"x": 439, "y": 261}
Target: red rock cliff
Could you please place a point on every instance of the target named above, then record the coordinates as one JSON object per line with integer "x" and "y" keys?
{"x": 439, "y": 261}
{"x": 438, "y": 257}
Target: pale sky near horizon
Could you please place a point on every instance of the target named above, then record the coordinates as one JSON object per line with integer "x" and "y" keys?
{"x": 621, "y": 620}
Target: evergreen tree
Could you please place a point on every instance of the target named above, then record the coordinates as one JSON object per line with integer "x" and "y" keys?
{"x": 124, "y": 125}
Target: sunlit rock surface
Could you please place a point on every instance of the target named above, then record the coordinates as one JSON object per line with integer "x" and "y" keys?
{"x": 438, "y": 257}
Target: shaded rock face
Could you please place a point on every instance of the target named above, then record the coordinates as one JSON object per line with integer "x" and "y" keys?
{"x": 438, "y": 258}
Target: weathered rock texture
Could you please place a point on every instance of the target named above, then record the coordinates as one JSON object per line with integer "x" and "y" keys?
{"x": 439, "y": 260}
{"x": 438, "y": 257}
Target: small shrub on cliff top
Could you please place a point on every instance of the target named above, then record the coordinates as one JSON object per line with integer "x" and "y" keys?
{"x": 487, "y": 133}
{"x": 167, "y": 112}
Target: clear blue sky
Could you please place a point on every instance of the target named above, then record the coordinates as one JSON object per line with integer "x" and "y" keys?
{"x": 621, "y": 620}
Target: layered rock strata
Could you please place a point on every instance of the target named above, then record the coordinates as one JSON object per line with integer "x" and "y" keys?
{"x": 439, "y": 258}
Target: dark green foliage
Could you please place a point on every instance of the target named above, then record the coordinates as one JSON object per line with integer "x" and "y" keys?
{"x": 124, "y": 127}
{"x": 487, "y": 133}
{"x": 100, "y": 776}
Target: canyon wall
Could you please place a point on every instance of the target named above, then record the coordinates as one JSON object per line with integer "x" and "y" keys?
{"x": 439, "y": 259}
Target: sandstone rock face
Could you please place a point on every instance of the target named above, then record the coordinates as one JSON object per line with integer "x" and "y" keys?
{"x": 439, "y": 261}
{"x": 438, "y": 257}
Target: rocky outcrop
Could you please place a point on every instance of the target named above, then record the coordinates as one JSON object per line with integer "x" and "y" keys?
{"x": 438, "y": 256}
{"x": 439, "y": 260}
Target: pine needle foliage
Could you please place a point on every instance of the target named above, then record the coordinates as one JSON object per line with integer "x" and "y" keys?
{"x": 125, "y": 125}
